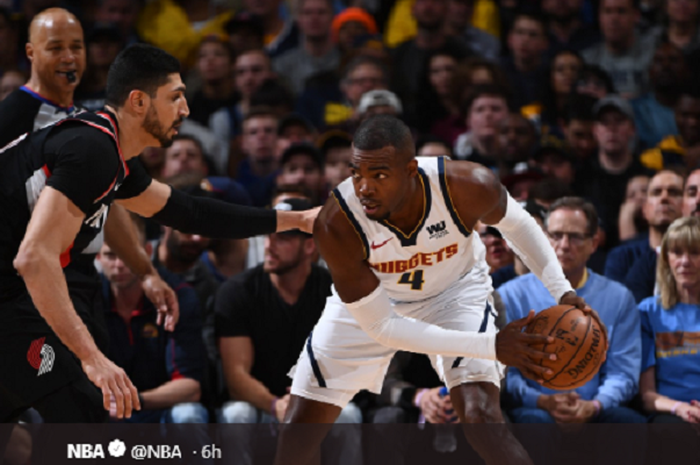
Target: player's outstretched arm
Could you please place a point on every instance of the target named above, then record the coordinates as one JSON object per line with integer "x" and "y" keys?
{"x": 213, "y": 218}
{"x": 51, "y": 230}
{"x": 122, "y": 238}
{"x": 369, "y": 303}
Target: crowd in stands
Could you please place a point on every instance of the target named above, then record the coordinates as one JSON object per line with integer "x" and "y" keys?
{"x": 587, "y": 110}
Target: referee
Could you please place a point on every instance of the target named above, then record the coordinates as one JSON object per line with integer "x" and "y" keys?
{"x": 55, "y": 185}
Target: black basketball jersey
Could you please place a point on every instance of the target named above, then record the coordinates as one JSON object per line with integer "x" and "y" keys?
{"x": 81, "y": 158}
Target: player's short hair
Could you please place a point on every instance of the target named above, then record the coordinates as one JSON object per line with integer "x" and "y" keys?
{"x": 577, "y": 203}
{"x": 381, "y": 131}
{"x": 138, "y": 67}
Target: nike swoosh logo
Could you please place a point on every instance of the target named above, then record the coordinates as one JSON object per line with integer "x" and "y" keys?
{"x": 376, "y": 246}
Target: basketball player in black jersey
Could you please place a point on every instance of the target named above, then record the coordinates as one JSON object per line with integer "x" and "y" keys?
{"x": 55, "y": 186}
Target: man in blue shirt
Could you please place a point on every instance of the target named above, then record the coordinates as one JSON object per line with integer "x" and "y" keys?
{"x": 571, "y": 225}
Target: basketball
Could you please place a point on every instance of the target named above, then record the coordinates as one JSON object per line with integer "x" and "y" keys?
{"x": 580, "y": 343}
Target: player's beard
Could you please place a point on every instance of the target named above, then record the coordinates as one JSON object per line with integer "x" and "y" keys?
{"x": 151, "y": 124}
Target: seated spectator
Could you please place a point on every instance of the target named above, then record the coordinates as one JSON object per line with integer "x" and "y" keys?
{"x": 554, "y": 93}
{"x": 10, "y": 81}
{"x": 662, "y": 207}
{"x": 264, "y": 317}
{"x": 631, "y": 222}
{"x": 349, "y": 25}
{"x": 316, "y": 51}
{"x": 302, "y": 165}
{"x": 641, "y": 278}
{"x": 555, "y": 160}
{"x": 566, "y": 29}
{"x": 435, "y": 99}
{"x": 518, "y": 139}
{"x": 683, "y": 149}
{"x": 577, "y": 126}
{"x": 280, "y": 33}
{"x": 521, "y": 181}
{"x": 336, "y": 148}
{"x": 104, "y": 42}
{"x": 571, "y": 226}
{"x": 166, "y": 367}
{"x": 498, "y": 253}
{"x": 653, "y": 112}
{"x": 525, "y": 67}
{"x": 430, "y": 146}
{"x": 594, "y": 81}
{"x": 623, "y": 53}
{"x": 295, "y": 129}
{"x": 486, "y": 110}
{"x": 245, "y": 32}
{"x": 378, "y": 102}
{"x": 460, "y": 14}
{"x": 250, "y": 70}
{"x": 603, "y": 180}
{"x": 681, "y": 27}
{"x": 670, "y": 378}
{"x": 214, "y": 66}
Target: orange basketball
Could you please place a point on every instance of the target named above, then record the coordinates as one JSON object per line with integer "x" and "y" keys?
{"x": 580, "y": 343}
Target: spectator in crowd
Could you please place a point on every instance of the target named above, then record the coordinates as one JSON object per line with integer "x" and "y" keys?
{"x": 410, "y": 56}
{"x": 594, "y": 81}
{"x": 571, "y": 226}
{"x": 641, "y": 278}
{"x": 663, "y": 205}
{"x": 274, "y": 94}
{"x": 349, "y": 25}
{"x": 498, "y": 254}
{"x": 431, "y": 146}
{"x": 316, "y": 52}
{"x": 104, "y": 42}
{"x": 520, "y": 182}
{"x": 245, "y": 32}
{"x": 683, "y": 149}
{"x": 214, "y": 65}
{"x": 577, "y": 126}
{"x": 604, "y": 179}
{"x": 670, "y": 377}
{"x": 294, "y": 129}
{"x": 11, "y": 56}
{"x": 518, "y": 139}
{"x": 547, "y": 191}
{"x": 378, "y": 102}
{"x": 258, "y": 169}
{"x": 336, "y": 103}
{"x": 10, "y": 81}
{"x": 263, "y": 318}
{"x": 653, "y": 113}
{"x": 336, "y": 148}
{"x": 435, "y": 100}
{"x": 555, "y": 160}
{"x": 302, "y": 165}
{"x": 555, "y": 93}
{"x": 123, "y": 14}
{"x": 280, "y": 34}
{"x": 525, "y": 67}
{"x": 486, "y": 110}
{"x": 631, "y": 222}
{"x": 623, "y": 53}
{"x": 250, "y": 70}
{"x": 179, "y": 27}
{"x": 567, "y": 31}
{"x": 681, "y": 28}
{"x": 166, "y": 367}
{"x": 460, "y": 14}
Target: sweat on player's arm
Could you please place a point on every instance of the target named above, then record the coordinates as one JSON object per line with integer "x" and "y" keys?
{"x": 369, "y": 304}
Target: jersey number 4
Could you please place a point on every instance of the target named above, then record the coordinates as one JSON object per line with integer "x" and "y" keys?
{"x": 414, "y": 278}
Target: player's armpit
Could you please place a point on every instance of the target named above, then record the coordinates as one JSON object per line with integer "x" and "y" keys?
{"x": 344, "y": 252}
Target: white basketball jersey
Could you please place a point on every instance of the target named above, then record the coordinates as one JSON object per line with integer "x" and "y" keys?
{"x": 428, "y": 260}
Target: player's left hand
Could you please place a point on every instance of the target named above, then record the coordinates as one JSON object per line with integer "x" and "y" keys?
{"x": 570, "y": 298}
{"x": 164, "y": 299}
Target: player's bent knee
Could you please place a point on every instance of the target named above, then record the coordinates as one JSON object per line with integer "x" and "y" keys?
{"x": 238, "y": 412}
{"x": 350, "y": 414}
{"x": 189, "y": 412}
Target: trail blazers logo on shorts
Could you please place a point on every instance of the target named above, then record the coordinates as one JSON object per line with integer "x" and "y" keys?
{"x": 437, "y": 230}
{"x": 41, "y": 356}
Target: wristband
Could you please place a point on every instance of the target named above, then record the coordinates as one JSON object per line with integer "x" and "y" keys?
{"x": 419, "y": 397}
{"x": 675, "y": 406}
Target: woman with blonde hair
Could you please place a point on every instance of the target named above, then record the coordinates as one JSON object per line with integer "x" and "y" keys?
{"x": 670, "y": 380}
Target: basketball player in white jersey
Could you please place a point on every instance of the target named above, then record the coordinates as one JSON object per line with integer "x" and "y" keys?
{"x": 410, "y": 275}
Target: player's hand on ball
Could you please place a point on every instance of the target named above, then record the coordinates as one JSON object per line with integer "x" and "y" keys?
{"x": 570, "y": 298}
{"x": 515, "y": 348}
{"x": 114, "y": 383}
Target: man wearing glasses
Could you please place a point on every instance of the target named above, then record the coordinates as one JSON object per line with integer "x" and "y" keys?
{"x": 571, "y": 225}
